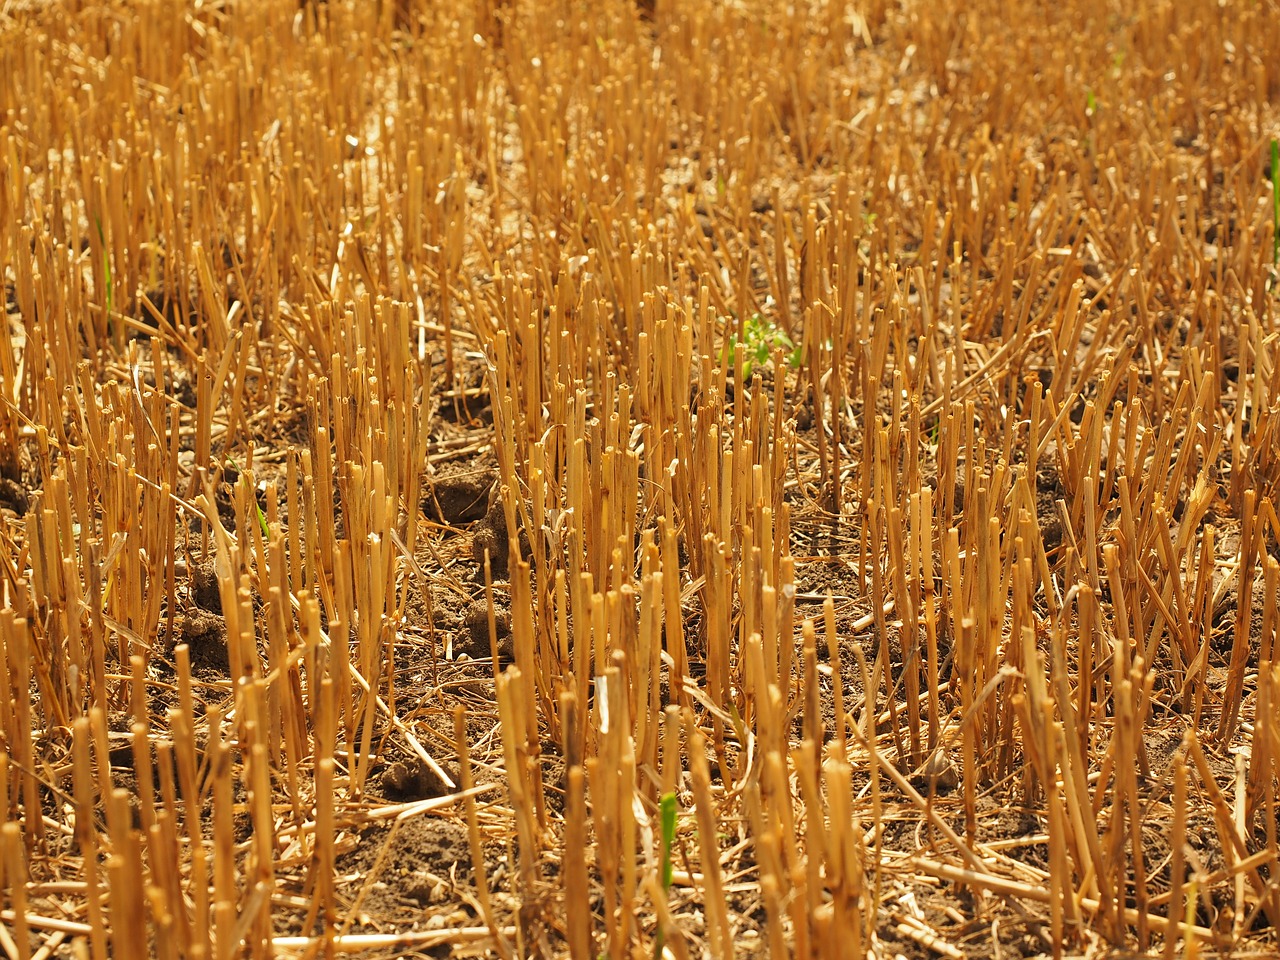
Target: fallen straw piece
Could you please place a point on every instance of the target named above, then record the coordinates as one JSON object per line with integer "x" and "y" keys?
{"x": 422, "y": 939}
{"x": 405, "y": 811}
{"x": 927, "y": 937}
{"x": 49, "y": 923}
{"x": 1041, "y": 894}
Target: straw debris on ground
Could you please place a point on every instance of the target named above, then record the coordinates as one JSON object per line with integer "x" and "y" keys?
{"x": 675, "y": 479}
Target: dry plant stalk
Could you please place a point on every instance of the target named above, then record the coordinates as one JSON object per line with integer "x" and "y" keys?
{"x": 875, "y": 416}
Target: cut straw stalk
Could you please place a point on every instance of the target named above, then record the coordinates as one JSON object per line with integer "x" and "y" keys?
{"x": 236, "y": 256}
{"x": 417, "y": 940}
{"x": 1040, "y": 894}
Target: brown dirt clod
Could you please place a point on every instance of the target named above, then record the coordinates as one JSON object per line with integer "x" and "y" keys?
{"x": 460, "y": 497}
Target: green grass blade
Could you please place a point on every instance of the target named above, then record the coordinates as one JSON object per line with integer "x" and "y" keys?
{"x": 667, "y": 809}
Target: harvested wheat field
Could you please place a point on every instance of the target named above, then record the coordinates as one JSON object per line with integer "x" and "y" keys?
{"x": 610, "y": 479}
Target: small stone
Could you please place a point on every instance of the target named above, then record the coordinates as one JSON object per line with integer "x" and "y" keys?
{"x": 938, "y": 770}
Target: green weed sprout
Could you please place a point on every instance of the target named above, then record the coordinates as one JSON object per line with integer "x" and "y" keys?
{"x": 667, "y": 815}
{"x": 759, "y": 337}
{"x": 667, "y": 807}
{"x": 262, "y": 517}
